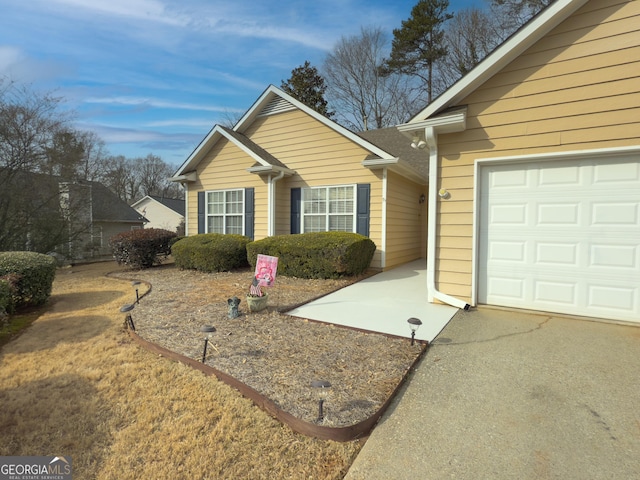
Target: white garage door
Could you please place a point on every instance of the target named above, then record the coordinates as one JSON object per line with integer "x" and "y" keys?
{"x": 562, "y": 236}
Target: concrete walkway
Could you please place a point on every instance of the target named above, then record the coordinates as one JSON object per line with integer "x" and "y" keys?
{"x": 383, "y": 303}
{"x": 511, "y": 395}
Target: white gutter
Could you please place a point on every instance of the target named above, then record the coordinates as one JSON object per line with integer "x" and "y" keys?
{"x": 383, "y": 249}
{"x": 431, "y": 138}
{"x": 271, "y": 201}
{"x": 453, "y": 121}
{"x": 186, "y": 210}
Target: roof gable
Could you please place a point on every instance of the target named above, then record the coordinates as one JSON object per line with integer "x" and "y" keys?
{"x": 177, "y": 205}
{"x": 271, "y": 102}
{"x": 515, "y": 45}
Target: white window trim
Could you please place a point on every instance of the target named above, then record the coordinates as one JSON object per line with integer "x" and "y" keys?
{"x": 327, "y": 214}
{"x": 224, "y": 215}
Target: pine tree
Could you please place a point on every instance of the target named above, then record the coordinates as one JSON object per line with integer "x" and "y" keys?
{"x": 309, "y": 87}
{"x": 419, "y": 43}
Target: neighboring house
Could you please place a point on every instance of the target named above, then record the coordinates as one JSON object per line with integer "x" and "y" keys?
{"x": 285, "y": 169}
{"x": 161, "y": 212}
{"x": 535, "y": 168}
{"x": 91, "y": 212}
{"x": 109, "y": 216}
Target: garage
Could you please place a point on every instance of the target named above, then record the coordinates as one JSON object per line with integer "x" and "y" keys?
{"x": 561, "y": 235}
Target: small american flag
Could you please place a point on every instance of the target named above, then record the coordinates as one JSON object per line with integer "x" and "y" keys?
{"x": 255, "y": 288}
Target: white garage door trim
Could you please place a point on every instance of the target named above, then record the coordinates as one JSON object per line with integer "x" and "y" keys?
{"x": 570, "y": 281}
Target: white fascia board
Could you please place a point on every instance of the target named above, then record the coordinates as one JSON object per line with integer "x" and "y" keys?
{"x": 263, "y": 169}
{"x": 210, "y": 140}
{"x": 145, "y": 198}
{"x": 195, "y": 157}
{"x": 395, "y": 165}
{"x": 455, "y": 121}
{"x": 273, "y": 90}
{"x": 524, "y": 38}
{"x": 186, "y": 177}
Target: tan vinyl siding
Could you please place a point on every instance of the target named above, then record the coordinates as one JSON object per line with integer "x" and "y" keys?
{"x": 575, "y": 89}
{"x": 406, "y": 221}
{"x": 321, "y": 157}
{"x": 228, "y": 171}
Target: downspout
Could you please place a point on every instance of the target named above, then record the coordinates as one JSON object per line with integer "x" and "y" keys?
{"x": 186, "y": 208}
{"x": 271, "y": 222}
{"x": 383, "y": 253}
{"x": 433, "y": 293}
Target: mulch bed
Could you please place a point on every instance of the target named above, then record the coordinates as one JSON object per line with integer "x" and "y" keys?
{"x": 275, "y": 354}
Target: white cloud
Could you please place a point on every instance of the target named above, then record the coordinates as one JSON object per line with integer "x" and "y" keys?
{"x": 150, "y": 10}
{"x": 192, "y": 122}
{"x": 154, "y": 103}
{"x": 9, "y": 56}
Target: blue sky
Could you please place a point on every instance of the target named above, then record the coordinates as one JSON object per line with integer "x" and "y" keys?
{"x": 154, "y": 76}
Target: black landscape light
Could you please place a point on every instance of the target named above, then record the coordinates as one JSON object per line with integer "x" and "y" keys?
{"x": 208, "y": 331}
{"x": 414, "y": 324}
{"x": 322, "y": 390}
{"x": 136, "y": 285}
{"x": 128, "y": 321}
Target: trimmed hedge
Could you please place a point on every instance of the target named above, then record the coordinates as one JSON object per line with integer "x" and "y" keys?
{"x": 316, "y": 255}
{"x": 211, "y": 252}
{"x": 27, "y": 278}
{"x": 7, "y": 292}
{"x": 141, "y": 248}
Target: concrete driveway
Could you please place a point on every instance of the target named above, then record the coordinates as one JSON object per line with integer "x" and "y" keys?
{"x": 512, "y": 395}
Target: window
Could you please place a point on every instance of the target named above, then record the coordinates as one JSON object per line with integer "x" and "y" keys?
{"x": 328, "y": 209}
{"x": 225, "y": 211}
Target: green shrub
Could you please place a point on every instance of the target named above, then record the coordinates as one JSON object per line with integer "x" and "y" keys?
{"x": 6, "y": 296}
{"x": 211, "y": 252}
{"x": 28, "y": 277}
{"x": 316, "y": 255}
{"x": 141, "y": 248}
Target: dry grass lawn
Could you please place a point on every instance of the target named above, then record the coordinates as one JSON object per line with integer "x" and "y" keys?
{"x": 75, "y": 384}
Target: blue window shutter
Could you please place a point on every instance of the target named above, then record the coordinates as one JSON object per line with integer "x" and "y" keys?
{"x": 249, "y": 216}
{"x": 296, "y": 202}
{"x": 362, "y": 212}
{"x": 201, "y": 212}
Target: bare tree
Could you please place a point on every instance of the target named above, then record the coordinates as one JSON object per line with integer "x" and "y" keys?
{"x": 469, "y": 37}
{"x": 28, "y": 122}
{"x": 154, "y": 174}
{"x": 363, "y": 97}
{"x": 94, "y": 160}
{"x": 230, "y": 118}
{"x": 133, "y": 178}
{"x": 35, "y": 144}
{"x": 512, "y": 14}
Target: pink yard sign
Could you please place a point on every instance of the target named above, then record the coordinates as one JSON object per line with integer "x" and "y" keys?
{"x": 266, "y": 268}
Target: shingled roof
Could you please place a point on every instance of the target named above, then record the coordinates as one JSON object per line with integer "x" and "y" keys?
{"x": 108, "y": 207}
{"x": 254, "y": 147}
{"x": 394, "y": 142}
{"x": 175, "y": 204}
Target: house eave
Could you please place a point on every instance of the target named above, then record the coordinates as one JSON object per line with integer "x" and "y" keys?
{"x": 269, "y": 169}
{"x": 185, "y": 178}
{"x": 454, "y": 121}
{"x": 396, "y": 165}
